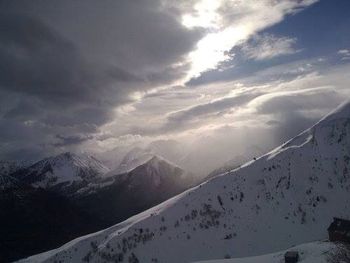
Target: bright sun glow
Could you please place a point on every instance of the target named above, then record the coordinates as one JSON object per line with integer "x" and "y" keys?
{"x": 213, "y": 48}
{"x": 205, "y": 15}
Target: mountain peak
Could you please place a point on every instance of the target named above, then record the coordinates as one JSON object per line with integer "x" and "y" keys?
{"x": 66, "y": 168}
{"x": 155, "y": 160}
{"x": 156, "y": 163}
{"x": 157, "y": 171}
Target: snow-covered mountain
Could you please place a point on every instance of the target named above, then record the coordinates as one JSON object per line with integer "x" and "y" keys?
{"x": 74, "y": 196}
{"x": 168, "y": 149}
{"x": 154, "y": 173}
{"x": 285, "y": 197}
{"x": 314, "y": 252}
{"x": 135, "y": 157}
{"x": 63, "y": 171}
{"x": 121, "y": 196}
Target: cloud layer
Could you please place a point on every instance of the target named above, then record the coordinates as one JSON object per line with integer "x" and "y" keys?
{"x": 91, "y": 76}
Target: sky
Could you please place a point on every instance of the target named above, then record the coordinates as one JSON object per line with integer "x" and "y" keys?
{"x": 218, "y": 76}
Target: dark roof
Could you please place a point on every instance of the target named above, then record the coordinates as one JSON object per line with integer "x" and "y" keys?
{"x": 291, "y": 254}
{"x": 339, "y": 224}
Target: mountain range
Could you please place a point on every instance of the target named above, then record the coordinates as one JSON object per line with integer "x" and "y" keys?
{"x": 285, "y": 197}
{"x": 123, "y": 195}
{"x": 62, "y": 197}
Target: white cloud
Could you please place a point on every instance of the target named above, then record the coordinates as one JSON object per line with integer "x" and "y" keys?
{"x": 269, "y": 46}
{"x": 344, "y": 53}
{"x": 180, "y": 110}
{"x": 230, "y": 23}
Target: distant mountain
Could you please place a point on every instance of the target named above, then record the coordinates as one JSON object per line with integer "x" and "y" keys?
{"x": 135, "y": 157}
{"x": 62, "y": 197}
{"x": 169, "y": 149}
{"x": 285, "y": 197}
{"x": 127, "y": 194}
{"x": 65, "y": 173}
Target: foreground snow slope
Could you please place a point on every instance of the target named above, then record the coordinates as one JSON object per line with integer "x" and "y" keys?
{"x": 315, "y": 252}
{"x": 286, "y": 197}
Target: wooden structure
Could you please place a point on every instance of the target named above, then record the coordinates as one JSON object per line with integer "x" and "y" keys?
{"x": 291, "y": 257}
{"x": 339, "y": 230}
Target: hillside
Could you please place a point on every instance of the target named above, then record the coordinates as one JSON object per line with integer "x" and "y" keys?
{"x": 285, "y": 197}
{"x": 315, "y": 252}
{"x": 123, "y": 195}
{"x": 40, "y": 214}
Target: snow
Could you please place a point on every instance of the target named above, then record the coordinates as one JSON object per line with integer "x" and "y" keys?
{"x": 64, "y": 169}
{"x": 315, "y": 252}
{"x": 285, "y": 197}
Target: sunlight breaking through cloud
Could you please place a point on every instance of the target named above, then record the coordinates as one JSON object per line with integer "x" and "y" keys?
{"x": 230, "y": 23}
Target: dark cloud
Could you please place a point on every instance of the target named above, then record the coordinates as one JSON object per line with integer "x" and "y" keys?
{"x": 64, "y": 73}
{"x": 36, "y": 60}
{"x": 143, "y": 37}
{"x": 71, "y": 140}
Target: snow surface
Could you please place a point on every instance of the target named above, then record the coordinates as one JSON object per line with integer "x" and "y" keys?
{"x": 283, "y": 198}
{"x": 315, "y": 252}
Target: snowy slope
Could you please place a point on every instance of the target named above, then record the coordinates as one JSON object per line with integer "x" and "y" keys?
{"x": 286, "y": 197}
{"x": 62, "y": 171}
{"x": 315, "y": 252}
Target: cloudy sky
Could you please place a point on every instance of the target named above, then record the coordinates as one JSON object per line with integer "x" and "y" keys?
{"x": 90, "y": 75}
